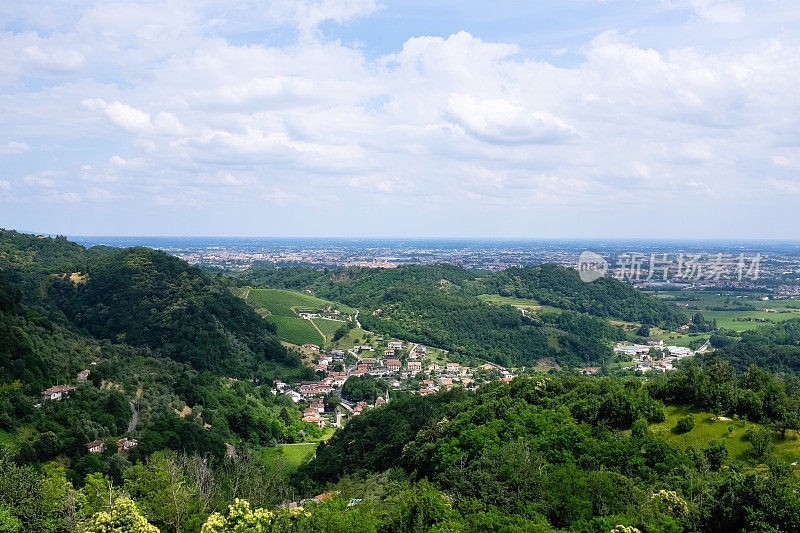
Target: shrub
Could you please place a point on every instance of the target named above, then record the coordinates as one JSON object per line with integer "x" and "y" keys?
{"x": 685, "y": 424}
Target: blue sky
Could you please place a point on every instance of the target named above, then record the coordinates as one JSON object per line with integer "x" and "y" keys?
{"x": 571, "y": 118}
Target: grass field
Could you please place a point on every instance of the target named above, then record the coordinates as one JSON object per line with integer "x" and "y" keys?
{"x": 523, "y": 303}
{"x": 328, "y": 327}
{"x": 354, "y": 337}
{"x": 295, "y": 455}
{"x": 706, "y": 430}
{"x": 726, "y": 307}
{"x": 282, "y": 303}
{"x": 296, "y": 330}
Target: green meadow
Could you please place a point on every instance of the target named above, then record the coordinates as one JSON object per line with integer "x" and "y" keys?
{"x": 707, "y": 428}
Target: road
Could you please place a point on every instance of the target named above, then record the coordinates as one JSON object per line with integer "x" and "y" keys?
{"x": 134, "y": 418}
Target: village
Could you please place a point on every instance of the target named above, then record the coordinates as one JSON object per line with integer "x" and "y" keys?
{"x": 411, "y": 372}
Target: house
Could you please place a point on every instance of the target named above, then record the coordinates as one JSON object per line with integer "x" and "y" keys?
{"x": 453, "y": 367}
{"x": 415, "y": 366}
{"x": 230, "y": 451}
{"x": 388, "y": 353}
{"x": 311, "y": 347}
{"x": 318, "y": 404}
{"x": 96, "y": 446}
{"x": 487, "y": 366}
{"x": 426, "y": 392}
{"x": 394, "y": 345}
{"x": 380, "y": 401}
{"x": 83, "y": 375}
{"x": 310, "y": 411}
{"x": 124, "y": 444}
{"x": 369, "y": 362}
{"x": 591, "y": 371}
{"x": 655, "y": 342}
{"x": 420, "y": 349}
{"x": 434, "y": 368}
{"x": 56, "y": 392}
{"x": 320, "y": 368}
{"x": 393, "y": 364}
{"x": 318, "y": 420}
{"x": 445, "y": 382}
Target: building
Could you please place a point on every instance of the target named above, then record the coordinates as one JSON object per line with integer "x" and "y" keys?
{"x": 56, "y": 392}
{"x": 415, "y": 366}
{"x": 591, "y": 371}
{"x": 83, "y": 375}
{"x": 96, "y": 446}
{"x": 311, "y": 347}
{"x": 318, "y": 420}
{"x": 124, "y": 444}
{"x": 655, "y": 342}
{"x": 394, "y": 345}
{"x": 393, "y": 364}
{"x": 426, "y": 392}
{"x": 453, "y": 367}
{"x": 380, "y": 401}
{"x": 389, "y": 352}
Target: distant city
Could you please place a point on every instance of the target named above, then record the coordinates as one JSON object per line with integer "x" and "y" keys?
{"x": 772, "y": 265}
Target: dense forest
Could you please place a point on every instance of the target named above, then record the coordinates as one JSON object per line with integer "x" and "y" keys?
{"x": 775, "y": 347}
{"x": 438, "y": 305}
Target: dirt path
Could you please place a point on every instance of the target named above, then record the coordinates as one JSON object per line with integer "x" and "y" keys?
{"x": 324, "y": 338}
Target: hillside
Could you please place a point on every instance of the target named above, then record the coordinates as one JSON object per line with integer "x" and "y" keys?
{"x": 444, "y": 306}
{"x": 775, "y": 348}
{"x": 585, "y": 454}
{"x": 144, "y": 298}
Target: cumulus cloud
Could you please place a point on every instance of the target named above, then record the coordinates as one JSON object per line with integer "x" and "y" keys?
{"x": 196, "y": 104}
{"x": 499, "y": 121}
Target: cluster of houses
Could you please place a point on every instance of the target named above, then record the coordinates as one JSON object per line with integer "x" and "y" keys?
{"x": 123, "y": 445}
{"x": 642, "y": 355}
{"x": 398, "y": 375}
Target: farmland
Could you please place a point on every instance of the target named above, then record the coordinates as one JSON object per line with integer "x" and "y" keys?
{"x": 733, "y": 310}
{"x": 286, "y": 303}
{"x": 296, "y": 330}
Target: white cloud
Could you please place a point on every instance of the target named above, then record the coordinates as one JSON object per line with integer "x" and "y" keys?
{"x": 200, "y": 104}
{"x": 13, "y": 147}
{"x": 5, "y": 185}
{"x": 499, "y": 121}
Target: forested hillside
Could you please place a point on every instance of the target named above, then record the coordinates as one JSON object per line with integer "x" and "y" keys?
{"x": 438, "y": 305}
{"x": 579, "y": 454}
{"x": 148, "y": 298}
{"x": 776, "y": 348}
{"x": 142, "y": 297}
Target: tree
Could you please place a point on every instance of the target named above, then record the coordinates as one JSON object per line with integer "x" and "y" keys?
{"x": 643, "y": 331}
{"x": 122, "y": 517}
{"x": 239, "y": 518}
{"x": 716, "y": 453}
{"x": 761, "y": 439}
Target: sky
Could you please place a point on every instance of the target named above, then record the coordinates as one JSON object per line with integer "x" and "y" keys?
{"x": 356, "y": 118}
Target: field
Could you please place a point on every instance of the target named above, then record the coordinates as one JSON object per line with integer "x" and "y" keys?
{"x": 706, "y": 430}
{"x": 354, "y": 337}
{"x": 328, "y": 327}
{"x": 522, "y": 303}
{"x": 733, "y": 310}
{"x": 296, "y": 330}
{"x": 294, "y": 454}
{"x": 281, "y": 302}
